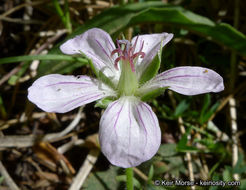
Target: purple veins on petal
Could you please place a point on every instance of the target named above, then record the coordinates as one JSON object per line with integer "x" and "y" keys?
{"x": 135, "y": 140}
{"x": 185, "y": 76}
{"x": 65, "y": 83}
{"x": 103, "y": 49}
{"x": 117, "y": 117}
{"x": 188, "y": 80}
{"x": 97, "y": 45}
{"x": 58, "y": 93}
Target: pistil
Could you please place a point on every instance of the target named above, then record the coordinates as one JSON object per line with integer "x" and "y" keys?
{"x": 128, "y": 82}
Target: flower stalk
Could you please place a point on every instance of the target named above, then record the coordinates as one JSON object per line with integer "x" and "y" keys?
{"x": 129, "y": 179}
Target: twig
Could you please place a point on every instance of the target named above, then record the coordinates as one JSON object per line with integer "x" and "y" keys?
{"x": 65, "y": 147}
{"x": 232, "y": 102}
{"x": 140, "y": 174}
{"x": 21, "y": 6}
{"x": 74, "y": 123}
{"x": 39, "y": 50}
{"x": 182, "y": 129}
{"x": 9, "y": 181}
{"x": 17, "y": 141}
{"x": 233, "y": 114}
{"x": 30, "y": 140}
{"x": 188, "y": 155}
{"x": 85, "y": 169}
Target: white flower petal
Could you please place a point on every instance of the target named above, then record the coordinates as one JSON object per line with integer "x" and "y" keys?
{"x": 129, "y": 132}
{"x": 97, "y": 45}
{"x": 58, "y": 93}
{"x": 152, "y": 44}
{"x": 187, "y": 81}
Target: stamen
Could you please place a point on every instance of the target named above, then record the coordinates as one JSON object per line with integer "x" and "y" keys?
{"x": 141, "y": 54}
{"x": 115, "y": 51}
{"x": 128, "y": 52}
{"x": 135, "y": 43}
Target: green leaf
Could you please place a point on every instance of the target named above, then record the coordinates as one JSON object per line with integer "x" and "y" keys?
{"x": 175, "y": 165}
{"x": 206, "y": 104}
{"x": 106, "y": 80}
{"x": 116, "y": 19}
{"x": 151, "y": 173}
{"x": 209, "y": 113}
{"x": 152, "y": 94}
{"x": 14, "y": 78}
{"x": 240, "y": 167}
{"x": 242, "y": 184}
{"x": 49, "y": 57}
{"x": 3, "y": 112}
{"x": 105, "y": 180}
{"x": 227, "y": 174}
{"x": 167, "y": 150}
{"x": 1, "y": 179}
{"x": 221, "y": 33}
{"x": 182, "y": 144}
{"x": 103, "y": 103}
{"x": 122, "y": 178}
{"x": 182, "y": 107}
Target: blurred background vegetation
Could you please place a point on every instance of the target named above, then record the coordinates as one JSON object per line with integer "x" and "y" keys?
{"x": 202, "y": 136}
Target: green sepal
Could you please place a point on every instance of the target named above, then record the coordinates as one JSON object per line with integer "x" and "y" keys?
{"x": 90, "y": 63}
{"x": 152, "y": 68}
{"x": 106, "y": 80}
{"x": 103, "y": 103}
{"x": 153, "y": 94}
{"x": 99, "y": 74}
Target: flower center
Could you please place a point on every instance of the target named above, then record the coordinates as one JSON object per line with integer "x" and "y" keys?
{"x": 127, "y": 53}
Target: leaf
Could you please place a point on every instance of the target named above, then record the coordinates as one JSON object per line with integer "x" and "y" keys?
{"x": 240, "y": 167}
{"x": 106, "y": 80}
{"x": 14, "y": 78}
{"x": 210, "y": 112}
{"x": 182, "y": 107}
{"x": 1, "y": 179}
{"x": 167, "y": 150}
{"x": 122, "y": 178}
{"x": 175, "y": 165}
{"x": 182, "y": 144}
{"x": 151, "y": 173}
{"x": 152, "y": 94}
{"x": 227, "y": 174}
{"x": 105, "y": 180}
{"x": 103, "y": 103}
{"x": 49, "y": 57}
{"x": 116, "y": 19}
{"x": 242, "y": 184}
{"x": 221, "y": 33}
{"x": 206, "y": 104}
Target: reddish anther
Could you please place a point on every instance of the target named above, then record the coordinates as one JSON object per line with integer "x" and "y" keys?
{"x": 127, "y": 53}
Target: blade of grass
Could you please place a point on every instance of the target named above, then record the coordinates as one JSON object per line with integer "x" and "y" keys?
{"x": 41, "y": 57}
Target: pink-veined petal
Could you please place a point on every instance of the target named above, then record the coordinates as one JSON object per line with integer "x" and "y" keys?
{"x": 59, "y": 93}
{"x": 129, "y": 132}
{"x": 152, "y": 44}
{"x": 187, "y": 80}
{"x": 97, "y": 45}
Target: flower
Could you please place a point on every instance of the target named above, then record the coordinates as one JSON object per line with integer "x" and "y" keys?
{"x": 129, "y": 131}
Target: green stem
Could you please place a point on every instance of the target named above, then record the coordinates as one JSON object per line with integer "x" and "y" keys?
{"x": 64, "y": 17}
{"x": 129, "y": 178}
{"x": 67, "y": 17}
